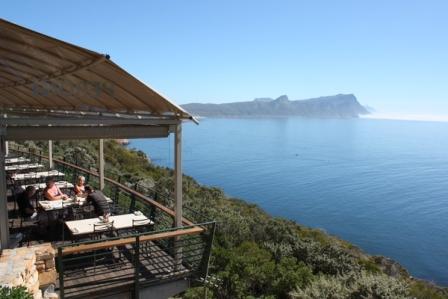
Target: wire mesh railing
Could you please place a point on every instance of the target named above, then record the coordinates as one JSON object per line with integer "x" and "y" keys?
{"x": 135, "y": 261}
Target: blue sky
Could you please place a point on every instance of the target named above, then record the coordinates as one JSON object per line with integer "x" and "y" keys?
{"x": 393, "y": 55}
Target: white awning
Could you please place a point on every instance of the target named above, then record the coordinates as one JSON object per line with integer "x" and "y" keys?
{"x": 44, "y": 73}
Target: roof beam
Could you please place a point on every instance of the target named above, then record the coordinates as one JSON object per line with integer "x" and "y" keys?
{"x": 70, "y": 121}
{"x": 60, "y": 73}
{"x": 85, "y": 132}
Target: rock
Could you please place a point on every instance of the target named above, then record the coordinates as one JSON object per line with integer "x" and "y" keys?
{"x": 51, "y": 296}
{"x": 30, "y": 267}
{"x": 391, "y": 267}
{"x": 48, "y": 277}
{"x": 40, "y": 266}
{"x": 49, "y": 264}
{"x": 49, "y": 293}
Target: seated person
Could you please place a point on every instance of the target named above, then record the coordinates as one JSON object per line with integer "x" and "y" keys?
{"x": 52, "y": 191}
{"x": 98, "y": 201}
{"x": 24, "y": 202}
{"x": 80, "y": 186}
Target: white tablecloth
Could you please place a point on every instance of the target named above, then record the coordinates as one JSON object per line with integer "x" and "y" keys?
{"x": 16, "y": 160}
{"x": 82, "y": 200}
{"x": 85, "y": 226}
{"x": 36, "y": 175}
{"x": 22, "y": 166}
{"x": 50, "y": 205}
{"x": 60, "y": 184}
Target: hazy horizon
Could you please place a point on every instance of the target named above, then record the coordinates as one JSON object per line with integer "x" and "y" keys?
{"x": 391, "y": 55}
{"x": 373, "y": 114}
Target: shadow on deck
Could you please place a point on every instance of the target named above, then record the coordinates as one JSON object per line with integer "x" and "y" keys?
{"x": 115, "y": 273}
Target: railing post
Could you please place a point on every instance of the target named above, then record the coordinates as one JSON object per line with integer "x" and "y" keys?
{"x": 136, "y": 267}
{"x": 117, "y": 192}
{"x": 178, "y": 192}
{"x": 207, "y": 252}
{"x": 61, "y": 273}
{"x": 50, "y": 153}
{"x": 4, "y": 223}
{"x": 152, "y": 214}
{"x": 132, "y": 204}
{"x": 101, "y": 164}
{"x": 75, "y": 172}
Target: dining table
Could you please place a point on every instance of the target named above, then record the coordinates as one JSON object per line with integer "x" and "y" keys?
{"x": 19, "y": 167}
{"x": 51, "y": 205}
{"x": 60, "y": 184}
{"x": 86, "y": 226}
{"x": 16, "y": 160}
{"x": 36, "y": 175}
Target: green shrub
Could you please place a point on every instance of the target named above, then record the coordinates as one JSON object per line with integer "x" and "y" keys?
{"x": 250, "y": 270}
{"x": 14, "y": 293}
{"x": 424, "y": 290}
{"x": 361, "y": 285}
{"x": 325, "y": 259}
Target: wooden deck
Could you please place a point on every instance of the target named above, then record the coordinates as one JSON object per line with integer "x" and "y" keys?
{"x": 116, "y": 274}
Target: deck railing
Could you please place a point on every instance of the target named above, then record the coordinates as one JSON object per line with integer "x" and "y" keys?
{"x": 134, "y": 261}
{"x": 130, "y": 260}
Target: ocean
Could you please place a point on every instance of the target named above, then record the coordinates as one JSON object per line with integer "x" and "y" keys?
{"x": 380, "y": 184}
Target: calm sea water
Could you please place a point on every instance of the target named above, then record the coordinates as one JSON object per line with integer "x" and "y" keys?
{"x": 382, "y": 185}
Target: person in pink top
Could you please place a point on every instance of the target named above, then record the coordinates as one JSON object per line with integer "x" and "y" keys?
{"x": 52, "y": 191}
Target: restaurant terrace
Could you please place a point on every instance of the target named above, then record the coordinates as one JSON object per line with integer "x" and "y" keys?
{"x": 51, "y": 90}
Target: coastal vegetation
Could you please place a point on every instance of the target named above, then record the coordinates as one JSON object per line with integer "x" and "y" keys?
{"x": 256, "y": 255}
{"x": 14, "y": 293}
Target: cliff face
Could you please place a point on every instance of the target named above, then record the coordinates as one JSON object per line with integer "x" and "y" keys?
{"x": 337, "y": 106}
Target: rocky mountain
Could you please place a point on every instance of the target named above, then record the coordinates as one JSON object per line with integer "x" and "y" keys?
{"x": 337, "y": 106}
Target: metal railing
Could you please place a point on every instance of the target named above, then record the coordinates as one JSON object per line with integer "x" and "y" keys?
{"x": 131, "y": 260}
{"x": 135, "y": 261}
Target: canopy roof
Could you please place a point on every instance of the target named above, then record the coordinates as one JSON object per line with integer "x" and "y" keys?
{"x": 41, "y": 73}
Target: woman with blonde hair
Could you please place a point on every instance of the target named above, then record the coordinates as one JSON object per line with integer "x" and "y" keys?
{"x": 80, "y": 186}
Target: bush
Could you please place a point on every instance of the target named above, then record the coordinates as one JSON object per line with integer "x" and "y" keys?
{"x": 353, "y": 286}
{"x": 325, "y": 259}
{"x": 250, "y": 270}
{"x": 424, "y": 290}
{"x": 14, "y": 293}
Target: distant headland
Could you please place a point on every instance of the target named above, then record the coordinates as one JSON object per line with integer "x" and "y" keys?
{"x": 336, "y": 106}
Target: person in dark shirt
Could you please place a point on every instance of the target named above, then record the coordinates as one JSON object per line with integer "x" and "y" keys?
{"x": 26, "y": 209}
{"x": 98, "y": 201}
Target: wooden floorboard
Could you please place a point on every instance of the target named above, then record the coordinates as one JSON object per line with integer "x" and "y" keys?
{"x": 107, "y": 277}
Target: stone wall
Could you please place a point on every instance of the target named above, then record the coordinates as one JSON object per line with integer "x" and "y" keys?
{"x": 45, "y": 264}
{"x": 32, "y": 267}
